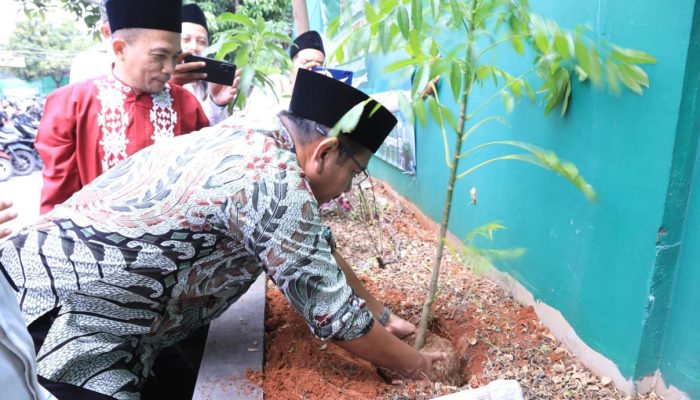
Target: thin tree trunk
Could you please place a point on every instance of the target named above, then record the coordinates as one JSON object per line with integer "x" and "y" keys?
{"x": 432, "y": 289}
{"x": 301, "y": 16}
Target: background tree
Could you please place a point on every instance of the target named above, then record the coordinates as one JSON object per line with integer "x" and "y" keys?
{"x": 416, "y": 29}
{"x": 48, "y": 48}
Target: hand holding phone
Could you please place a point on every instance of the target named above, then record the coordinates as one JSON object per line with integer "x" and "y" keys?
{"x": 217, "y": 71}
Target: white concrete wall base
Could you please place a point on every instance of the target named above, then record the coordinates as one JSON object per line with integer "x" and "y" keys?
{"x": 598, "y": 363}
{"x": 655, "y": 383}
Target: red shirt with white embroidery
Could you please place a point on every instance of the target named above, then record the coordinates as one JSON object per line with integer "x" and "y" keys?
{"x": 90, "y": 126}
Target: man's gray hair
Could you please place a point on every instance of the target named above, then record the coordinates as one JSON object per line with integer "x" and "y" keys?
{"x": 306, "y": 131}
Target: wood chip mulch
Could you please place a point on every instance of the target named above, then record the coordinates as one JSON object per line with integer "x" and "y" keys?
{"x": 495, "y": 337}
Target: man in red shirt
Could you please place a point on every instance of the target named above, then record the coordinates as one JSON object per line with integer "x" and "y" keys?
{"x": 90, "y": 126}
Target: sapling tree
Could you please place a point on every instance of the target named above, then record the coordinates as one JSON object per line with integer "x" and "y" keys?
{"x": 254, "y": 48}
{"x": 554, "y": 57}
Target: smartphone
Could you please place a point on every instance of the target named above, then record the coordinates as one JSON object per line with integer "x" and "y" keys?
{"x": 217, "y": 71}
{"x": 337, "y": 74}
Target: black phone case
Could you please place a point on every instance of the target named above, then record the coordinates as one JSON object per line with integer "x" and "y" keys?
{"x": 217, "y": 71}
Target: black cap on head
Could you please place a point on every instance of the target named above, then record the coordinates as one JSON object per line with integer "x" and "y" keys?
{"x": 164, "y": 15}
{"x": 307, "y": 40}
{"x": 193, "y": 14}
{"x": 325, "y": 100}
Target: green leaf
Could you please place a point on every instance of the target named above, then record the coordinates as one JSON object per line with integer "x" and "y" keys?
{"x": 417, "y": 14}
{"x": 582, "y": 75}
{"x": 225, "y": 49}
{"x": 457, "y": 13}
{"x": 518, "y": 45}
{"x": 405, "y": 106}
{"x": 629, "y": 80}
{"x": 236, "y": 18}
{"x": 434, "y": 109}
{"x": 632, "y": 56}
{"x": 451, "y": 121}
{"x": 635, "y": 73}
{"x": 612, "y": 75}
{"x": 369, "y": 13}
{"x": 279, "y": 37}
{"x": 419, "y": 110}
{"x": 414, "y": 43}
{"x": 340, "y": 54}
{"x": 349, "y": 121}
{"x": 333, "y": 27}
{"x": 582, "y": 56}
{"x": 541, "y": 42}
{"x": 402, "y": 19}
{"x": 485, "y": 231}
{"x": 456, "y": 80}
{"x": 401, "y": 64}
{"x": 567, "y": 95}
{"x": 596, "y": 65}
{"x": 508, "y": 101}
{"x": 516, "y": 87}
{"x": 534, "y": 155}
{"x": 561, "y": 44}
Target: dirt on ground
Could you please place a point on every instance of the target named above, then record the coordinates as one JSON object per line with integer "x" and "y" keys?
{"x": 494, "y": 337}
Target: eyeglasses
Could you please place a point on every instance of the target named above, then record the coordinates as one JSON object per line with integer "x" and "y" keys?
{"x": 358, "y": 177}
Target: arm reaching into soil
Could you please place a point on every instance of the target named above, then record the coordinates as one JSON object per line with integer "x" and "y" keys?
{"x": 398, "y": 326}
{"x": 6, "y": 216}
{"x": 381, "y": 345}
{"x": 382, "y": 348}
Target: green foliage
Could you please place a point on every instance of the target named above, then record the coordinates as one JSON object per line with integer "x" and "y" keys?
{"x": 415, "y": 28}
{"x": 254, "y": 48}
{"x": 48, "y": 49}
{"x": 85, "y": 10}
{"x": 277, "y": 14}
{"x": 479, "y": 257}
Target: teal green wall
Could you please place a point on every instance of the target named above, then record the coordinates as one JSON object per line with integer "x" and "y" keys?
{"x": 680, "y": 355}
{"x": 598, "y": 264}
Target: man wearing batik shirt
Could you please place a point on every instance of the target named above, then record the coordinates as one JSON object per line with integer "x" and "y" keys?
{"x": 164, "y": 242}
{"x": 89, "y": 127}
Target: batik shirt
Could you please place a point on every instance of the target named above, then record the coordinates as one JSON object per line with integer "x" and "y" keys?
{"x": 163, "y": 243}
{"x": 90, "y": 126}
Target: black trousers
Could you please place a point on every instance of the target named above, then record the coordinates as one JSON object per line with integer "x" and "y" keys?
{"x": 174, "y": 370}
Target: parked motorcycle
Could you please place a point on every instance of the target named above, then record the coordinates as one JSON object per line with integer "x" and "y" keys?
{"x": 21, "y": 150}
{"x": 5, "y": 166}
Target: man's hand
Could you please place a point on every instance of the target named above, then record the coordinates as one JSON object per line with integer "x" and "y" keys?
{"x": 399, "y": 327}
{"x": 6, "y": 216}
{"x": 183, "y": 71}
{"x": 425, "y": 369}
{"x": 223, "y": 95}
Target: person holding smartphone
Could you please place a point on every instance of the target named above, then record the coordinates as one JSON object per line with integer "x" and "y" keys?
{"x": 214, "y": 98}
{"x": 90, "y": 126}
{"x": 306, "y": 52}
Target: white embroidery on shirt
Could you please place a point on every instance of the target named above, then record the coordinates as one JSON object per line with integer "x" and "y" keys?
{"x": 163, "y": 116}
{"x": 112, "y": 120}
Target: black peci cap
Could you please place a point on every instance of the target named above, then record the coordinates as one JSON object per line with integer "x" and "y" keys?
{"x": 165, "y": 15}
{"x": 307, "y": 40}
{"x": 193, "y": 14}
{"x": 325, "y": 100}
